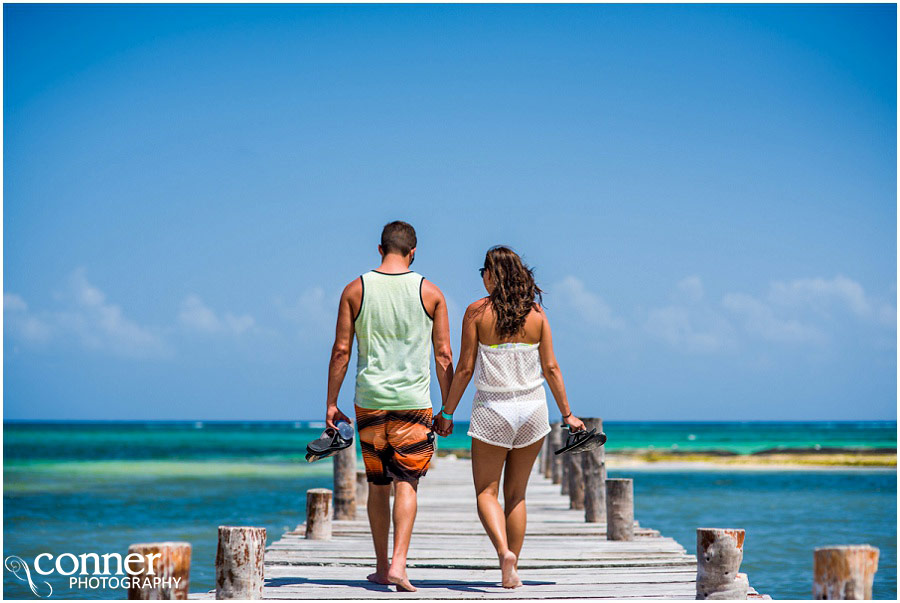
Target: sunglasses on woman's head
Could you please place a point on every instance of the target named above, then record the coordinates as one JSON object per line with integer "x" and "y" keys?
{"x": 481, "y": 271}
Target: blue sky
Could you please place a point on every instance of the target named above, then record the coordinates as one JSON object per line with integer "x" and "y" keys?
{"x": 707, "y": 193}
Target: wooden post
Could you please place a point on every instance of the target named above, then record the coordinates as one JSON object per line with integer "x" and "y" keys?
{"x": 564, "y": 478}
{"x": 844, "y": 572}
{"x": 620, "y": 509}
{"x": 169, "y": 561}
{"x": 239, "y": 562}
{"x": 745, "y": 583}
{"x": 362, "y": 488}
{"x": 593, "y": 465}
{"x": 539, "y": 463}
{"x": 576, "y": 480}
{"x": 719, "y": 555}
{"x": 555, "y": 459}
{"x": 552, "y": 439}
{"x": 345, "y": 484}
{"x": 318, "y": 514}
{"x": 546, "y": 453}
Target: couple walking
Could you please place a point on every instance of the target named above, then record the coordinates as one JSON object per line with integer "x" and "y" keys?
{"x": 397, "y": 317}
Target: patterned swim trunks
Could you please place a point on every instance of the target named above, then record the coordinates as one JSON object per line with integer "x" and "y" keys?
{"x": 396, "y": 444}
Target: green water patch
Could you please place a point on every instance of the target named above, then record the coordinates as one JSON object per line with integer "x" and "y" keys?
{"x": 61, "y": 476}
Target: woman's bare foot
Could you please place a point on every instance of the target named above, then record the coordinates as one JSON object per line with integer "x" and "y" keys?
{"x": 510, "y": 577}
{"x": 378, "y": 578}
{"x": 400, "y": 581}
{"x": 380, "y": 575}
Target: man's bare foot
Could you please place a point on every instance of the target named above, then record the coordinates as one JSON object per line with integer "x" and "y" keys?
{"x": 400, "y": 581}
{"x": 510, "y": 577}
{"x": 378, "y": 578}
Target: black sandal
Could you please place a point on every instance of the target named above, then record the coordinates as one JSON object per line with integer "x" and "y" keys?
{"x": 328, "y": 444}
{"x": 582, "y": 441}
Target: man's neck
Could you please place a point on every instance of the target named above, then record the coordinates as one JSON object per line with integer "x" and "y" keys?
{"x": 393, "y": 264}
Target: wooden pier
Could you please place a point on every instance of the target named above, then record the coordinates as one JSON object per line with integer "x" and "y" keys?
{"x": 450, "y": 556}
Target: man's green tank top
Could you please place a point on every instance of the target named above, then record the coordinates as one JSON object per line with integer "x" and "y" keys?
{"x": 393, "y": 334}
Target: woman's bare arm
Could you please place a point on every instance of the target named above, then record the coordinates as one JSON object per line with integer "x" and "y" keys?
{"x": 553, "y": 375}
{"x": 468, "y": 351}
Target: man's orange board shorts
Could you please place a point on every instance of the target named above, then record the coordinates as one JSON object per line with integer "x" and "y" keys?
{"x": 396, "y": 444}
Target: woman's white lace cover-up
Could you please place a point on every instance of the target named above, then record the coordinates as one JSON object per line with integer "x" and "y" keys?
{"x": 510, "y": 405}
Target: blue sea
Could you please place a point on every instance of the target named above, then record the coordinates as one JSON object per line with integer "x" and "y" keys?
{"x": 78, "y": 487}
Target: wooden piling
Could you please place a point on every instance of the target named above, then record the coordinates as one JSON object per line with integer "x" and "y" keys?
{"x": 844, "y": 572}
{"x": 539, "y": 461}
{"x": 362, "y": 488}
{"x": 564, "y": 478}
{"x": 552, "y": 440}
{"x": 546, "y": 453}
{"x": 345, "y": 484}
{"x": 619, "y": 509}
{"x": 239, "y": 562}
{"x": 318, "y": 514}
{"x": 568, "y": 559}
{"x": 170, "y": 561}
{"x": 719, "y": 555}
{"x": 593, "y": 465}
{"x": 555, "y": 459}
{"x": 576, "y": 480}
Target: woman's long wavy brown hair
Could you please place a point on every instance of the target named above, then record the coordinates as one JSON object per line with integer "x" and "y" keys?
{"x": 514, "y": 290}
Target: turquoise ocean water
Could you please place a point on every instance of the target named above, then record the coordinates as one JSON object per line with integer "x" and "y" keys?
{"x": 74, "y": 487}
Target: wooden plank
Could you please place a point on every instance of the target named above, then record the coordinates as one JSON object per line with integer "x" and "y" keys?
{"x": 451, "y": 557}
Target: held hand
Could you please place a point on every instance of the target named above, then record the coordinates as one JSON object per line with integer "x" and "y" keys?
{"x": 441, "y": 426}
{"x": 334, "y": 415}
{"x": 574, "y": 423}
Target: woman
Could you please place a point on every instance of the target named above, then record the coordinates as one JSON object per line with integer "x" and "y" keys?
{"x": 506, "y": 345}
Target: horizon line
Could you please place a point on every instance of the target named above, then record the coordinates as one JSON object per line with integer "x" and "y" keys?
{"x": 5, "y": 420}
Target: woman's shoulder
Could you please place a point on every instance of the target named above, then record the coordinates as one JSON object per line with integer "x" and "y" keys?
{"x": 479, "y": 306}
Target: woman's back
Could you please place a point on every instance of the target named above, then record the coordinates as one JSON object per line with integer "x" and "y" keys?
{"x": 508, "y": 367}
{"x": 486, "y": 324}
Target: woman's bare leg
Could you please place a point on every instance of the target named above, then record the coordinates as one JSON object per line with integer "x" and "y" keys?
{"x": 519, "y": 463}
{"x": 487, "y": 465}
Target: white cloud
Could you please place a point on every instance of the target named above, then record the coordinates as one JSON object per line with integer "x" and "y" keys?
{"x": 759, "y": 320}
{"x": 689, "y": 289}
{"x": 88, "y": 317}
{"x": 196, "y": 315}
{"x": 102, "y": 325}
{"x": 818, "y": 293}
{"x": 590, "y": 307}
{"x": 21, "y": 323}
{"x": 315, "y": 311}
{"x": 690, "y": 324}
{"x": 791, "y": 308}
{"x": 677, "y": 326}
{"x": 14, "y": 303}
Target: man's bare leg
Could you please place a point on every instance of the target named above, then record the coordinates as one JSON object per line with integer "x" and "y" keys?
{"x": 405, "y": 505}
{"x": 379, "y": 510}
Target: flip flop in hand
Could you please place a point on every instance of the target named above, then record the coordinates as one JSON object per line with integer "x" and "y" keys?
{"x": 582, "y": 441}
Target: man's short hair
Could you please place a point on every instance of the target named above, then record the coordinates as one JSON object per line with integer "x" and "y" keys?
{"x": 398, "y": 237}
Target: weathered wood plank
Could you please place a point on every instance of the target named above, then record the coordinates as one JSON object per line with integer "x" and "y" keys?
{"x": 451, "y": 557}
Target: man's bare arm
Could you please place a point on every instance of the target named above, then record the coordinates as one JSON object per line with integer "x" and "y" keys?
{"x": 340, "y": 351}
{"x": 440, "y": 336}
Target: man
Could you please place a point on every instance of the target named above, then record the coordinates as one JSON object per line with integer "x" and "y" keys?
{"x": 397, "y": 317}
